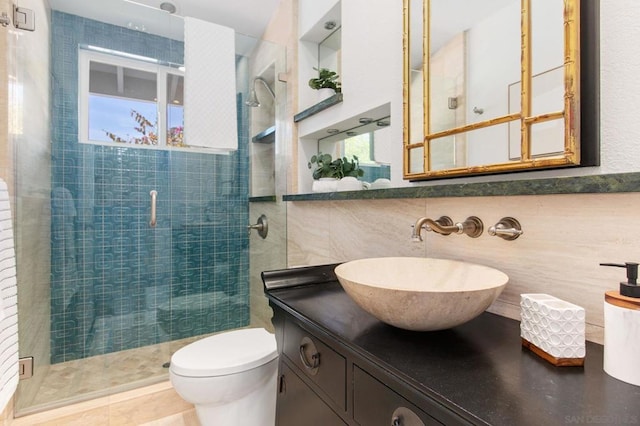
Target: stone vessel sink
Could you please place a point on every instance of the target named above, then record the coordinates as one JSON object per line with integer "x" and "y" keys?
{"x": 421, "y": 294}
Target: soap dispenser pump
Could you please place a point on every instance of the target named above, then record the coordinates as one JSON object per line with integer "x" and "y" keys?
{"x": 630, "y": 288}
{"x": 622, "y": 327}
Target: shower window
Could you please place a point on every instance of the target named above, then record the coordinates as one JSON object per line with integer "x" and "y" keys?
{"x": 175, "y": 110}
{"x": 129, "y": 101}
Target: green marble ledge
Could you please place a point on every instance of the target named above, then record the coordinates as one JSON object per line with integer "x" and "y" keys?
{"x": 320, "y": 106}
{"x": 265, "y": 136}
{"x": 594, "y": 184}
{"x": 263, "y": 199}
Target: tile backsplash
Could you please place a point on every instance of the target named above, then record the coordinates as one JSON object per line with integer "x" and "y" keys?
{"x": 565, "y": 238}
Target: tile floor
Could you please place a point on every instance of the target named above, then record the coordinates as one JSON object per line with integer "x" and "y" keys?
{"x": 73, "y": 381}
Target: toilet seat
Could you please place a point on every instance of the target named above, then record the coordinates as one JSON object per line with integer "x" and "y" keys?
{"x": 226, "y": 353}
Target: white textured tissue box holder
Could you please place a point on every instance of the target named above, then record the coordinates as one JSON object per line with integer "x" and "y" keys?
{"x": 553, "y": 329}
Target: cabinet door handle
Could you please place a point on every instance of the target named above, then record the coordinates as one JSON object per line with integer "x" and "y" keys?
{"x": 315, "y": 359}
{"x": 403, "y": 416}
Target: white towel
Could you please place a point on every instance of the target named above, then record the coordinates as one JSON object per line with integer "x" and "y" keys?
{"x": 210, "y": 111}
{"x": 8, "y": 303}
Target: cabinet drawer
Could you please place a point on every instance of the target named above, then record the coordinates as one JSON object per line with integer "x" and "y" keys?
{"x": 375, "y": 404}
{"x": 298, "y": 405}
{"x": 321, "y": 364}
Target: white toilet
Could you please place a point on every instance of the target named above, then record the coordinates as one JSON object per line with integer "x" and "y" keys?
{"x": 229, "y": 377}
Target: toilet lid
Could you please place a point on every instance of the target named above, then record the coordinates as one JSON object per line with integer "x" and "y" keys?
{"x": 226, "y": 353}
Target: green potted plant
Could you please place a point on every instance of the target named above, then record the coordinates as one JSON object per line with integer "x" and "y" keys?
{"x": 326, "y": 83}
{"x": 333, "y": 175}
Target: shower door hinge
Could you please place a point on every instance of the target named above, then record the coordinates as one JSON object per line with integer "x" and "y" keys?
{"x": 24, "y": 19}
{"x": 25, "y": 367}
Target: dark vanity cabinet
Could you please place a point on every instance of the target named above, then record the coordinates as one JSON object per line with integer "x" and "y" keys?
{"x": 299, "y": 405}
{"x": 323, "y": 382}
{"x": 338, "y": 365}
{"x": 375, "y": 404}
{"x": 311, "y": 387}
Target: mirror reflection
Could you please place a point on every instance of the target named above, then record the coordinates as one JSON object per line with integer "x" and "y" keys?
{"x": 329, "y": 49}
{"x": 491, "y": 86}
{"x": 370, "y": 142}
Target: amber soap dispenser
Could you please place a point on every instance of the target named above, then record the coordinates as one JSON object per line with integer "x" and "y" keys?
{"x": 622, "y": 327}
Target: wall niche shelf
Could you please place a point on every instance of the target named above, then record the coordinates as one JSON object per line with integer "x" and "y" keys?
{"x": 265, "y": 136}
{"x": 263, "y": 199}
{"x": 320, "y": 106}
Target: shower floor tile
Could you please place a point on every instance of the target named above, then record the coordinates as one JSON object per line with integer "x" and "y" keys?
{"x": 73, "y": 381}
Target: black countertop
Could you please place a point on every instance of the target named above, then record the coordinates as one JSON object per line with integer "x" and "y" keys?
{"x": 478, "y": 369}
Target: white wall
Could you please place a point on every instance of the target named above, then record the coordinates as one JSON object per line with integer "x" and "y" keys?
{"x": 620, "y": 66}
{"x": 310, "y": 11}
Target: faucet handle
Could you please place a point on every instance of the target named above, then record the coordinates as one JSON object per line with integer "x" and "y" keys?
{"x": 508, "y": 228}
{"x": 262, "y": 226}
{"x": 472, "y": 227}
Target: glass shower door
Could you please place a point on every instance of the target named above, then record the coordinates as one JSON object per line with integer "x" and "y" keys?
{"x": 119, "y": 295}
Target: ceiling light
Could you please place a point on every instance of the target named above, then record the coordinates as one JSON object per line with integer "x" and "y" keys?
{"x": 168, "y": 7}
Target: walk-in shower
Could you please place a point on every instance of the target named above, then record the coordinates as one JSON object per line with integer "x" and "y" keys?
{"x": 122, "y": 295}
{"x": 117, "y": 283}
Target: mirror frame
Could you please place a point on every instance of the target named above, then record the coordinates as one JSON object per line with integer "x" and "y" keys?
{"x": 581, "y": 112}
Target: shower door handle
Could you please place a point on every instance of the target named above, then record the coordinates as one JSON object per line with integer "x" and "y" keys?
{"x": 154, "y": 197}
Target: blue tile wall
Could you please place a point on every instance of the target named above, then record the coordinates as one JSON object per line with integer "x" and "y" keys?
{"x": 116, "y": 282}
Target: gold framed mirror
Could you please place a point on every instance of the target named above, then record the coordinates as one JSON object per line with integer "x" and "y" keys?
{"x": 499, "y": 86}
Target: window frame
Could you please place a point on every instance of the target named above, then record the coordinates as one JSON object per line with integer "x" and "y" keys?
{"x": 86, "y": 56}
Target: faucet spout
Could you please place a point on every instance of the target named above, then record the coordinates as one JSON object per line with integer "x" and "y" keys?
{"x": 444, "y": 225}
{"x": 471, "y": 227}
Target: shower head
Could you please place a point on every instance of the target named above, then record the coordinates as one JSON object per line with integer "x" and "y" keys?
{"x": 253, "y": 97}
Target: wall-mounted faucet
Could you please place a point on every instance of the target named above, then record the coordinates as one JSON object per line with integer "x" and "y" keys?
{"x": 472, "y": 227}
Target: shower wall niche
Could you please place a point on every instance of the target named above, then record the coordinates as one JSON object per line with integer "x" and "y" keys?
{"x": 266, "y": 65}
{"x": 116, "y": 282}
